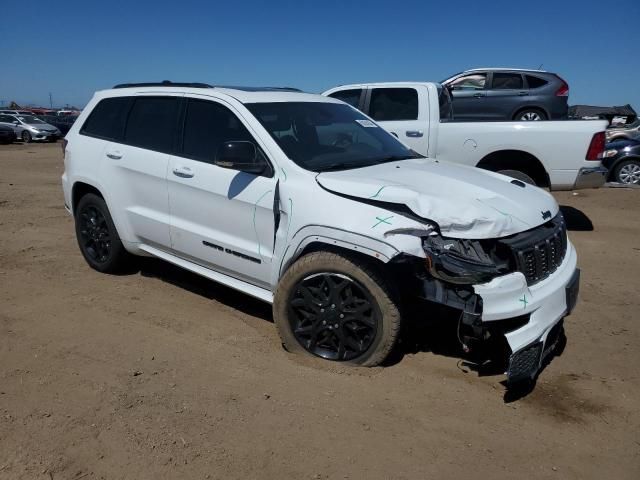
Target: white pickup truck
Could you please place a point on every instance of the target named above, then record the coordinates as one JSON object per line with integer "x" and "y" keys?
{"x": 560, "y": 155}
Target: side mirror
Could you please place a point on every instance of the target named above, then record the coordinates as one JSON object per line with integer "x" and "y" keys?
{"x": 240, "y": 155}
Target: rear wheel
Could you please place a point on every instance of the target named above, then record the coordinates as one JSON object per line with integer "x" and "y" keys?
{"x": 26, "y": 136}
{"x": 530, "y": 115}
{"x": 628, "y": 172}
{"x": 97, "y": 236}
{"x": 517, "y": 174}
{"x": 337, "y": 308}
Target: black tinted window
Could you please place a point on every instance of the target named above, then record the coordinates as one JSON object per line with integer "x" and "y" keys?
{"x": 535, "y": 82}
{"x": 107, "y": 119}
{"x": 151, "y": 123}
{"x": 352, "y": 97}
{"x": 394, "y": 104}
{"x": 207, "y": 125}
{"x": 506, "y": 81}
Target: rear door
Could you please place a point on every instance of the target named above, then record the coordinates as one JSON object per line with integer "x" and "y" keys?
{"x": 506, "y": 93}
{"x": 402, "y": 112}
{"x": 469, "y": 96}
{"x": 134, "y": 162}
{"x": 221, "y": 218}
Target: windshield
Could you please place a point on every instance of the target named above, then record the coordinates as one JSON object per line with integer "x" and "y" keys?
{"x": 29, "y": 119}
{"x": 321, "y": 136}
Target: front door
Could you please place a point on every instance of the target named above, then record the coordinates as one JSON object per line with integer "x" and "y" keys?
{"x": 469, "y": 96}
{"x": 221, "y": 218}
{"x": 397, "y": 110}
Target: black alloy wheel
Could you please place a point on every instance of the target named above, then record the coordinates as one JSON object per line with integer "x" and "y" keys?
{"x": 94, "y": 234}
{"x": 332, "y": 316}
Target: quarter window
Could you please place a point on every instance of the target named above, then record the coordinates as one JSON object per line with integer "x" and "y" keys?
{"x": 107, "y": 119}
{"x": 352, "y": 97}
{"x": 151, "y": 123}
{"x": 394, "y": 104}
{"x": 535, "y": 82}
{"x": 207, "y": 125}
{"x": 506, "y": 81}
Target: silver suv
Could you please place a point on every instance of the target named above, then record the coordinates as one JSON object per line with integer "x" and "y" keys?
{"x": 508, "y": 94}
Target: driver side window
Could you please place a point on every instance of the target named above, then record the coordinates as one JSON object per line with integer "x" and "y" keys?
{"x": 475, "y": 81}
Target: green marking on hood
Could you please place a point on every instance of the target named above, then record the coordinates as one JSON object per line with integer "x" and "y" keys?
{"x": 255, "y": 209}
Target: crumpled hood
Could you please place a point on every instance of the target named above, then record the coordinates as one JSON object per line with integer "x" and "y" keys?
{"x": 465, "y": 202}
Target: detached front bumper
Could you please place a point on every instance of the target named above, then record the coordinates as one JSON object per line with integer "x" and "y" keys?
{"x": 591, "y": 177}
{"x": 545, "y": 303}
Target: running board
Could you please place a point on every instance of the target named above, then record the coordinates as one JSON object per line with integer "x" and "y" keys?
{"x": 256, "y": 292}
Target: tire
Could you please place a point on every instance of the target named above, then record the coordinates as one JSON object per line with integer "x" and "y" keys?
{"x": 307, "y": 322}
{"x": 530, "y": 115}
{"x": 628, "y": 172}
{"x": 26, "y": 136}
{"x": 518, "y": 175}
{"x": 97, "y": 237}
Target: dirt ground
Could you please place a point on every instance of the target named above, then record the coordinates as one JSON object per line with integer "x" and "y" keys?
{"x": 161, "y": 374}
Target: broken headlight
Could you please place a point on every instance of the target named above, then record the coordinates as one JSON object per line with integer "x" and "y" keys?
{"x": 462, "y": 262}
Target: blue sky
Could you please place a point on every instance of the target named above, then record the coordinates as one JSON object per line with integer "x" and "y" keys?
{"x": 72, "y": 48}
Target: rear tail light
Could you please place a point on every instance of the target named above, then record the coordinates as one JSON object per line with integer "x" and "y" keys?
{"x": 596, "y": 147}
{"x": 563, "y": 91}
{"x": 64, "y": 147}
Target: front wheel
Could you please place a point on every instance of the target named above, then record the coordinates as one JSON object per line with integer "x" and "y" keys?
{"x": 26, "y": 136}
{"x": 337, "y": 308}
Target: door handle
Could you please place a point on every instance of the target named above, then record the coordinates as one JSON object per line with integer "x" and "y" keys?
{"x": 478, "y": 95}
{"x": 522, "y": 94}
{"x": 414, "y": 133}
{"x": 114, "y": 155}
{"x": 183, "y": 172}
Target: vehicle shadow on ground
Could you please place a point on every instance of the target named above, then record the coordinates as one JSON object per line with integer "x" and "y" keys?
{"x": 576, "y": 220}
{"x": 155, "y": 268}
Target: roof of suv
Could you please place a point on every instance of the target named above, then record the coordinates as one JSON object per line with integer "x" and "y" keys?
{"x": 505, "y": 69}
{"x": 242, "y": 94}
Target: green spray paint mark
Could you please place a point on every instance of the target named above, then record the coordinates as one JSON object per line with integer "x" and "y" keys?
{"x": 285, "y": 174}
{"x": 383, "y": 220}
{"x": 524, "y": 301}
{"x": 502, "y": 213}
{"x": 290, "y": 216}
{"x": 255, "y": 209}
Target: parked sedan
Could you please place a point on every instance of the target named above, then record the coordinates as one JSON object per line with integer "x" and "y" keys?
{"x": 623, "y": 161}
{"x": 28, "y": 128}
{"x": 7, "y": 135}
{"x": 508, "y": 94}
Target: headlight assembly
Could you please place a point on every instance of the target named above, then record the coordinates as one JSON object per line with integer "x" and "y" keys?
{"x": 459, "y": 261}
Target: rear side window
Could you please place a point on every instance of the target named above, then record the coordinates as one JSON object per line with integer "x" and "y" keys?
{"x": 107, "y": 119}
{"x": 152, "y": 123}
{"x": 535, "y": 82}
{"x": 394, "y": 104}
{"x": 352, "y": 97}
{"x": 506, "y": 81}
{"x": 207, "y": 125}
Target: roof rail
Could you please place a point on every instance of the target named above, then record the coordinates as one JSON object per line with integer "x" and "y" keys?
{"x": 164, "y": 83}
{"x": 260, "y": 89}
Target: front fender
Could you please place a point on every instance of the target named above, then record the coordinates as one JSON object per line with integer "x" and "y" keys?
{"x": 334, "y": 237}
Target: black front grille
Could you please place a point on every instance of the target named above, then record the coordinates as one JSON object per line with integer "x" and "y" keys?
{"x": 537, "y": 253}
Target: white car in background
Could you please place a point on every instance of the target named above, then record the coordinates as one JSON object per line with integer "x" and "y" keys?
{"x": 30, "y": 128}
{"x": 304, "y": 202}
{"x": 559, "y": 154}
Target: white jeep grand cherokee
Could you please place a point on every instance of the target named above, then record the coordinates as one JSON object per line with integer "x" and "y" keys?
{"x": 303, "y": 201}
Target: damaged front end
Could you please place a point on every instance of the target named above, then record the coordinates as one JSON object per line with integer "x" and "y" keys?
{"x": 456, "y": 273}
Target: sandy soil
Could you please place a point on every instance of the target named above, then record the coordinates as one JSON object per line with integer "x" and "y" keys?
{"x": 161, "y": 374}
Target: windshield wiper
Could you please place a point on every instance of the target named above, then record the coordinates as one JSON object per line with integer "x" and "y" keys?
{"x": 396, "y": 158}
{"x": 343, "y": 166}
